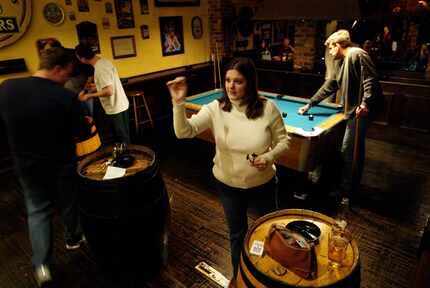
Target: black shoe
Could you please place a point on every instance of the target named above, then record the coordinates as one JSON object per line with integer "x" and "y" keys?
{"x": 74, "y": 243}
{"x": 43, "y": 276}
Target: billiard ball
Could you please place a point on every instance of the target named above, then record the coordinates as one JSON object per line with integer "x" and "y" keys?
{"x": 311, "y": 117}
{"x": 284, "y": 114}
{"x": 279, "y": 96}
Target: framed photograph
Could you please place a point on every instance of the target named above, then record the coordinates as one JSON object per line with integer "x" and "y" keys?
{"x": 144, "y": 31}
{"x": 144, "y": 7}
{"x": 196, "y": 27}
{"x": 105, "y": 23}
{"x": 72, "y": 16}
{"x": 176, "y": 3}
{"x": 172, "y": 37}
{"x": 124, "y": 14}
{"x": 108, "y": 8}
{"x": 123, "y": 46}
{"x": 83, "y": 6}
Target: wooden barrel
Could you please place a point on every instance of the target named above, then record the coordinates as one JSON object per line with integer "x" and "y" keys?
{"x": 88, "y": 141}
{"x": 260, "y": 271}
{"x": 125, "y": 219}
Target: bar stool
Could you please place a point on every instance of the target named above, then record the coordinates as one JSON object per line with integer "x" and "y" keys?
{"x": 139, "y": 101}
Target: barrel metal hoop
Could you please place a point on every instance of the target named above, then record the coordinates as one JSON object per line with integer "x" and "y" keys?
{"x": 259, "y": 275}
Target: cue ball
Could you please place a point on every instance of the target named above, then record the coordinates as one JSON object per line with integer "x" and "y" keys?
{"x": 311, "y": 117}
{"x": 284, "y": 114}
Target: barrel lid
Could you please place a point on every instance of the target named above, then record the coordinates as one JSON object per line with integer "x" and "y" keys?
{"x": 94, "y": 166}
{"x": 266, "y": 266}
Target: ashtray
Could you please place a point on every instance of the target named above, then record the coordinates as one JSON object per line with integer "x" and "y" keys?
{"x": 308, "y": 229}
{"x": 124, "y": 161}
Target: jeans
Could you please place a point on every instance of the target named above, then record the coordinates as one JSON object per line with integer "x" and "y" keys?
{"x": 43, "y": 187}
{"x": 350, "y": 183}
{"x": 235, "y": 203}
{"x": 120, "y": 127}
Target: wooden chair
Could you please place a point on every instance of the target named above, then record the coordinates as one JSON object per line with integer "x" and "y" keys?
{"x": 138, "y": 102}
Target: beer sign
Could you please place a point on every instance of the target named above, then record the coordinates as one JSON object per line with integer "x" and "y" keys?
{"x": 15, "y": 17}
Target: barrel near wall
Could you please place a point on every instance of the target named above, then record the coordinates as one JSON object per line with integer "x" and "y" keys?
{"x": 125, "y": 219}
{"x": 88, "y": 140}
{"x": 260, "y": 271}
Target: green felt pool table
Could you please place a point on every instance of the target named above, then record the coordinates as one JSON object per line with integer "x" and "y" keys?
{"x": 315, "y": 136}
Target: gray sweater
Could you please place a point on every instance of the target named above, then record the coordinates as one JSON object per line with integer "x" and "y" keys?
{"x": 355, "y": 76}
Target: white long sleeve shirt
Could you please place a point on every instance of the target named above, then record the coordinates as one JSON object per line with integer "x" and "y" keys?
{"x": 235, "y": 137}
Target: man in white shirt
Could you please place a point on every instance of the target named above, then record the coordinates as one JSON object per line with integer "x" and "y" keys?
{"x": 109, "y": 90}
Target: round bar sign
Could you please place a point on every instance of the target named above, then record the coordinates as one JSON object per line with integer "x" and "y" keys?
{"x": 15, "y": 17}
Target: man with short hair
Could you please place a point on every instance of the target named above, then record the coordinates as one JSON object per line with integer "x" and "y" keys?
{"x": 351, "y": 71}
{"x": 109, "y": 90}
{"x": 41, "y": 118}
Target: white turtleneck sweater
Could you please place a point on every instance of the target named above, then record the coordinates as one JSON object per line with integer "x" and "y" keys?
{"x": 235, "y": 137}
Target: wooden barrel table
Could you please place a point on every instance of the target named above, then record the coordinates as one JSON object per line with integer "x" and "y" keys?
{"x": 125, "y": 219}
{"x": 260, "y": 271}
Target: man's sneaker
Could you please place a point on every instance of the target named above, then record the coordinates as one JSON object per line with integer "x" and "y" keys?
{"x": 43, "y": 276}
{"x": 300, "y": 195}
{"x": 75, "y": 242}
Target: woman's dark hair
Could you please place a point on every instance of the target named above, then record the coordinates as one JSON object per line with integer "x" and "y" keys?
{"x": 255, "y": 103}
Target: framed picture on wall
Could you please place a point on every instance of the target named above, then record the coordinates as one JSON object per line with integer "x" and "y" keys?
{"x": 83, "y": 6}
{"x": 144, "y": 31}
{"x": 144, "y": 7}
{"x": 124, "y": 14}
{"x": 123, "y": 46}
{"x": 172, "y": 37}
{"x": 196, "y": 27}
{"x": 108, "y": 8}
{"x": 177, "y": 3}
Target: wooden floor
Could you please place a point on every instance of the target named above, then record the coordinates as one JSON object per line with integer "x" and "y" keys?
{"x": 387, "y": 226}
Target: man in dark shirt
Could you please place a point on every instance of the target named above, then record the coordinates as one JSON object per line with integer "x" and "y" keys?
{"x": 40, "y": 117}
{"x": 353, "y": 73}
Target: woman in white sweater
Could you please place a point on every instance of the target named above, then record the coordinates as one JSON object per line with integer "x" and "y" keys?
{"x": 249, "y": 135}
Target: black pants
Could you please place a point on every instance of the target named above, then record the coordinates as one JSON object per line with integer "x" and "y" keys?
{"x": 235, "y": 202}
{"x": 120, "y": 127}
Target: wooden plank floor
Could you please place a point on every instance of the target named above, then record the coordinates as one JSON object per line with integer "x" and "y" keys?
{"x": 387, "y": 226}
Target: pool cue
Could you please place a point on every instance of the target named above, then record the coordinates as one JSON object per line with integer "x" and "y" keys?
{"x": 218, "y": 63}
{"x": 213, "y": 62}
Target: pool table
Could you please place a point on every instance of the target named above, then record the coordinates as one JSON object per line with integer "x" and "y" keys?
{"x": 312, "y": 141}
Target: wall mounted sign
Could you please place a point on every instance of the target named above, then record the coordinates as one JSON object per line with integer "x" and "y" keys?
{"x": 172, "y": 37}
{"x": 14, "y": 20}
{"x": 53, "y": 13}
{"x": 88, "y": 35}
{"x": 196, "y": 27}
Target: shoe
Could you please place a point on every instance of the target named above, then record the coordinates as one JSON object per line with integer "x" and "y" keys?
{"x": 43, "y": 276}
{"x": 345, "y": 201}
{"x": 74, "y": 243}
{"x": 300, "y": 196}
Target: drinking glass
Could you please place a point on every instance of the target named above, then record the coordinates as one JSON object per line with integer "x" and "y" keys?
{"x": 338, "y": 241}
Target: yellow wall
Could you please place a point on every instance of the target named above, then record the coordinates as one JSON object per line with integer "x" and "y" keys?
{"x": 149, "y": 57}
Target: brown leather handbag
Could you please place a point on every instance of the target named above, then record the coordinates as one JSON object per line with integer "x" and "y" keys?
{"x": 292, "y": 251}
